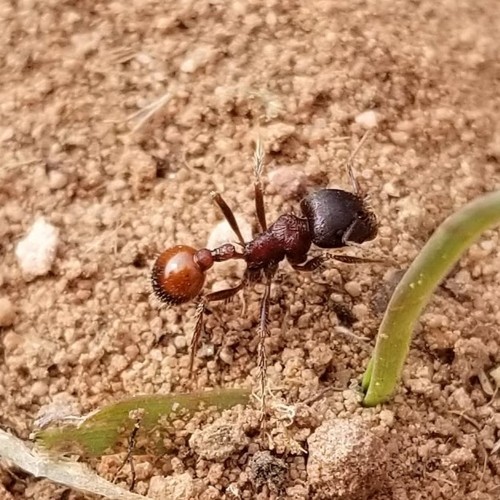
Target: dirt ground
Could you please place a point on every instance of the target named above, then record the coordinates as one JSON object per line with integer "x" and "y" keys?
{"x": 210, "y": 77}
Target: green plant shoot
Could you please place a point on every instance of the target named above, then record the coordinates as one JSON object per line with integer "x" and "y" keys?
{"x": 452, "y": 238}
{"x": 100, "y": 431}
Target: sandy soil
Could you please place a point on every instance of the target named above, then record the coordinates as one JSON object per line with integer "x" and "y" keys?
{"x": 120, "y": 189}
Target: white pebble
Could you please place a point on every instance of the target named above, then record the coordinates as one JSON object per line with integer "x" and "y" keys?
{"x": 36, "y": 252}
{"x": 222, "y": 233}
{"x": 386, "y": 417}
{"x": 368, "y": 119}
{"x": 198, "y": 58}
{"x": 391, "y": 190}
{"x": 495, "y": 375}
{"x": 39, "y": 389}
{"x": 180, "y": 342}
{"x": 353, "y": 288}
{"x": 57, "y": 180}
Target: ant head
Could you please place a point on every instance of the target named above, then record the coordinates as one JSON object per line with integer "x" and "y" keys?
{"x": 338, "y": 217}
{"x": 178, "y": 274}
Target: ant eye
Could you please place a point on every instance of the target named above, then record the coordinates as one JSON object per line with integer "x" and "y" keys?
{"x": 366, "y": 228}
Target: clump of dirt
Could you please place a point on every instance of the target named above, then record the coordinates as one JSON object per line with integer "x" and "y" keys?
{"x": 267, "y": 470}
{"x": 346, "y": 461}
{"x": 218, "y": 441}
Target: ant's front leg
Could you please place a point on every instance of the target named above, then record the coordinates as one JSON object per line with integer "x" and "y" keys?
{"x": 201, "y": 308}
{"x": 351, "y": 259}
{"x": 310, "y": 265}
{"x": 318, "y": 262}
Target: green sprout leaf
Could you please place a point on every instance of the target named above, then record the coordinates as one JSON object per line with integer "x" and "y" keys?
{"x": 100, "y": 431}
{"x": 445, "y": 247}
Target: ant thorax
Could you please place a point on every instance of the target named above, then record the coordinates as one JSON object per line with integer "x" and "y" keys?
{"x": 288, "y": 237}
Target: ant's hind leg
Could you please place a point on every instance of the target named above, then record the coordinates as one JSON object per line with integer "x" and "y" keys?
{"x": 261, "y": 349}
{"x": 201, "y": 308}
{"x": 258, "y": 166}
{"x": 198, "y": 330}
{"x": 130, "y": 449}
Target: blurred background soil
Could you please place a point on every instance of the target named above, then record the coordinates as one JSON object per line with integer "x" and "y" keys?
{"x": 119, "y": 118}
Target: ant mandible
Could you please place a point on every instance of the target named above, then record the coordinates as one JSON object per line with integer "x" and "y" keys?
{"x": 331, "y": 218}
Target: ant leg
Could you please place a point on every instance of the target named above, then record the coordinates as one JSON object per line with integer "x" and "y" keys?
{"x": 317, "y": 262}
{"x": 228, "y": 214}
{"x": 310, "y": 265}
{"x": 258, "y": 166}
{"x": 351, "y": 259}
{"x": 201, "y": 307}
{"x": 198, "y": 330}
{"x": 261, "y": 349}
{"x": 130, "y": 450}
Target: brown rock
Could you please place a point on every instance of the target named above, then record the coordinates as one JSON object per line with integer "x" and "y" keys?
{"x": 346, "y": 461}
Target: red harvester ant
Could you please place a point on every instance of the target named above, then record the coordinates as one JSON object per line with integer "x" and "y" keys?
{"x": 332, "y": 218}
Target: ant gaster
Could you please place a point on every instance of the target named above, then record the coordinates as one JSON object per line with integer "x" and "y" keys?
{"x": 331, "y": 218}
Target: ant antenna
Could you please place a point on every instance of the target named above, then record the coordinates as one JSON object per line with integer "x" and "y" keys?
{"x": 258, "y": 158}
{"x": 228, "y": 215}
{"x": 355, "y": 184}
{"x": 258, "y": 166}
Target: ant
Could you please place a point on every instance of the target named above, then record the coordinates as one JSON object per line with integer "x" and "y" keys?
{"x": 331, "y": 218}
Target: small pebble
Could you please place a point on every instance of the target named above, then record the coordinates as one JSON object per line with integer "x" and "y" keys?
{"x": 459, "y": 458}
{"x": 346, "y": 461}
{"x": 399, "y": 138}
{"x": 391, "y": 190}
{"x": 495, "y": 375}
{"x": 226, "y": 355}
{"x": 178, "y": 486}
{"x": 7, "y": 312}
{"x": 289, "y": 182}
{"x": 218, "y": 441}
{"x": 131, "y": 352}
{"x": 353, "y": 288}
{"x": 266, "y": 469}
{"x": 198, "y": 58}
{"x": 11, "y": 341}
{"x": 180, "y": 342}
{"x": 57, "y": 180}
{"x": 367, "y": 119}
{"x": 462, "y": 400}
{"x": 222, "y": 233}
{"x": 36, "y": 252}
{"x": 386, "y": 417}
{"x": 39, "y": 388}
{"x": 360, "y": 311}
